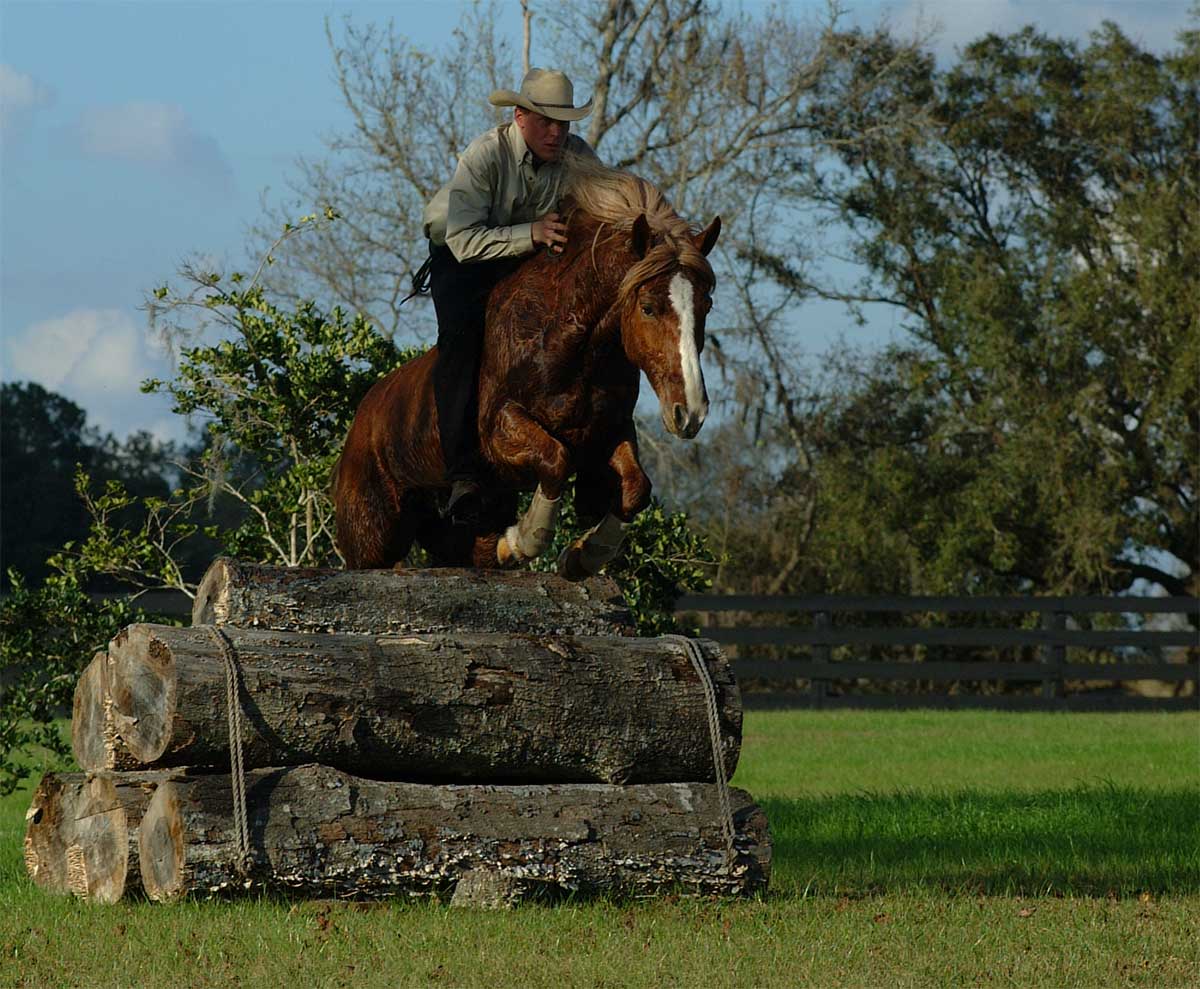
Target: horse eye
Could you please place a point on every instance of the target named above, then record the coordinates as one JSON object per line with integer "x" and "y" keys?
{"x": 647, "y": 309}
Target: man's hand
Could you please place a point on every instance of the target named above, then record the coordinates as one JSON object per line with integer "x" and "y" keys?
{"x": 551, "y": 231}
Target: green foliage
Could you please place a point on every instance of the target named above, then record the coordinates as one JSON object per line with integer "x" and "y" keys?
{"x": 1040, "y": 236}
{"x": 276, "y": 396}
{"x": 47, "y": 636}
{"x": 44, "y": 437}
{"x": 661, "y": 558}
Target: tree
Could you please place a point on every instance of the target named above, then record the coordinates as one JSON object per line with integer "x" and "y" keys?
{"x": 44, "y": 437}
{"x": 1041, "y": 238}
{"x": 48, "y": 635}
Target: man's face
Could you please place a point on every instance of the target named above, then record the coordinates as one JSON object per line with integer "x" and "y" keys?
{"x": 546, "y": 138}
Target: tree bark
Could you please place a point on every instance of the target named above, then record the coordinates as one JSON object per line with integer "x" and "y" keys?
{"x": 377, "y": 602}
{"x": 318, "y": 832}
{"x": 436, "y": 708}
{"x": 81, "y": 833}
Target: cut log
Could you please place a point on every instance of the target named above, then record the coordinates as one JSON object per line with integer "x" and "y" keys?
{"x": 437, "y": 708}
{"x": 81, "y": 833}
{"x": 93, "y": 730}
{"x": 375, "y": 602}
{"x": 321, "y": 833}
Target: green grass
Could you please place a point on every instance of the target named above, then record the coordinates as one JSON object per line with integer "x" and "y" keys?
{"x": 911, "y": 849}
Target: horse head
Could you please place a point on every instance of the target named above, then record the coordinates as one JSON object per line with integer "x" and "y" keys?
{"x": 665, "y": 300}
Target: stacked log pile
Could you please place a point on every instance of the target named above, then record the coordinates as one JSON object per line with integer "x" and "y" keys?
{"x": 484, "y": 737}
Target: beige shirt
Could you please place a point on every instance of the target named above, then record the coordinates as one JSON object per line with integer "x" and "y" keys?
{"x": 487, "y": 210}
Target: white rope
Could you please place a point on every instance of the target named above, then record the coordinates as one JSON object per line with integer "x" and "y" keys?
{"x": 237, "y": 769}
{"x": 692, "y": 648}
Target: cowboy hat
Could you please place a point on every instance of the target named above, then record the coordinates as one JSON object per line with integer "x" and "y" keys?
{"x": 545, "y": 91}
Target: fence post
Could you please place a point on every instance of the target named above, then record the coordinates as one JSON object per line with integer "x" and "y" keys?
{"x": 1054, "y": 654}
{"x": 822, "y": 653}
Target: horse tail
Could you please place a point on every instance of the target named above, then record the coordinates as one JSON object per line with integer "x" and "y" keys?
{"x": 335, "y": 471}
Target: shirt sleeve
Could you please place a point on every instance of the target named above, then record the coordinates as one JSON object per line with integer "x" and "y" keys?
{"x": 471, "y": 194}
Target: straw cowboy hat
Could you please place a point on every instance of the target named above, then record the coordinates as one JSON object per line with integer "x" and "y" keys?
{"x": 545, "y": 91}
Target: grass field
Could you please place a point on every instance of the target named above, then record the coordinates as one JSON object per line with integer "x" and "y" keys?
{"x": 911, "y": 849}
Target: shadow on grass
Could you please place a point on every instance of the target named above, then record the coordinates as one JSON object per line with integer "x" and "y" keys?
{"x": 1087, "y": 841}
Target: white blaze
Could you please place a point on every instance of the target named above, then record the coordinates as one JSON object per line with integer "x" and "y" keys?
{"x": 689, "y": 358}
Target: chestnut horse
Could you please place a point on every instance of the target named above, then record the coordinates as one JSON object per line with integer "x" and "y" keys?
{"x": 566, "y": 341}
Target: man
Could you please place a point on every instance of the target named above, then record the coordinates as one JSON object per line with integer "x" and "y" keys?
{"x": 499, "y": 208}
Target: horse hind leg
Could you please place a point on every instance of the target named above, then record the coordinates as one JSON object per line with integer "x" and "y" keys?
{"x": 455, "y": 545}
{"x": 370, "y": 533}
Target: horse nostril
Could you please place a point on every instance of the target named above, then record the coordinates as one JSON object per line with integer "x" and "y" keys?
{"x": 681, "y": 416}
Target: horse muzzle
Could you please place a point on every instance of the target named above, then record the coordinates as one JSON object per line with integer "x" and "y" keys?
{"x": 683, "y": 423}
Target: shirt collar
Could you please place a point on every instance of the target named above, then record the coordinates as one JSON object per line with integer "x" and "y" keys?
{"x": 520, "y": 149}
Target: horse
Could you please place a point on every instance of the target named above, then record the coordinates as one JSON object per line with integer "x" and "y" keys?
{"x": 565, "y": 343}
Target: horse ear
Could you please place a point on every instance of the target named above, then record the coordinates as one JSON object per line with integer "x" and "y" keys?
{"x": 641, "y": 236}
{"x": 708, "y": 238}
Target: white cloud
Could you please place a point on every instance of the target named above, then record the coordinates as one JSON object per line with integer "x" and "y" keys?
{"x": 49, "y": 351}
{"x": 19, "y": 94}
{"x": 98, "y": 358}
{"x": 160, "y": 135}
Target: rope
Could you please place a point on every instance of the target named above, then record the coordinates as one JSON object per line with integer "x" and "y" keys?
{"x": 692, "y": 648}
{"x": 237, "y": 769}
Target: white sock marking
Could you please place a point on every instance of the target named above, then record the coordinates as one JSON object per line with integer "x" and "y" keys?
{"x": 689, "y": 357}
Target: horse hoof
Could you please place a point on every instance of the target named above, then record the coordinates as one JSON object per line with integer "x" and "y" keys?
{"x": 570, "y": 564}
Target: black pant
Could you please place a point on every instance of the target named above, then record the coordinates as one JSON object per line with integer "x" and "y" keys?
{"x": 460, "y": 293}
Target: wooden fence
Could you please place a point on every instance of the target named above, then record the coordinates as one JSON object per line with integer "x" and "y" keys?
{"x": 819, "y": 663}
{"x": 807, "y": 673}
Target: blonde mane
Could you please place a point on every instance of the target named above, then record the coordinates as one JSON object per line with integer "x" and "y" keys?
{"x": 616, "y": 199}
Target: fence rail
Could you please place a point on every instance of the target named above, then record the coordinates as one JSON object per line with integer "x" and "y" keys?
{"x": 817, "y": 665}
{"x": 808, "y": 651}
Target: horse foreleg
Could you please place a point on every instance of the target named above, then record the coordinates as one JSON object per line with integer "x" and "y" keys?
{"x": 601, "y": 543}
{"x": 519, "y": 441}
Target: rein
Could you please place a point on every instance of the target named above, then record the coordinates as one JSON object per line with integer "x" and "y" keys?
{"x": 420, "y": 280}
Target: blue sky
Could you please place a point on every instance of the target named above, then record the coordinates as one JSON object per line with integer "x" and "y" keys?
{"x": 134, "y": 134}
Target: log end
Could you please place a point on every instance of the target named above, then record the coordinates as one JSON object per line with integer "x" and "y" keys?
{"x": 161, "y": 845}
{"x": 211, "y": 604}
{"x": 45, "y": 840}
{"x": 77, "y": 838}
{"x": 98, "y": 856}
{"x": 141, "y": 694}
{"x": 90, "y": 717}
